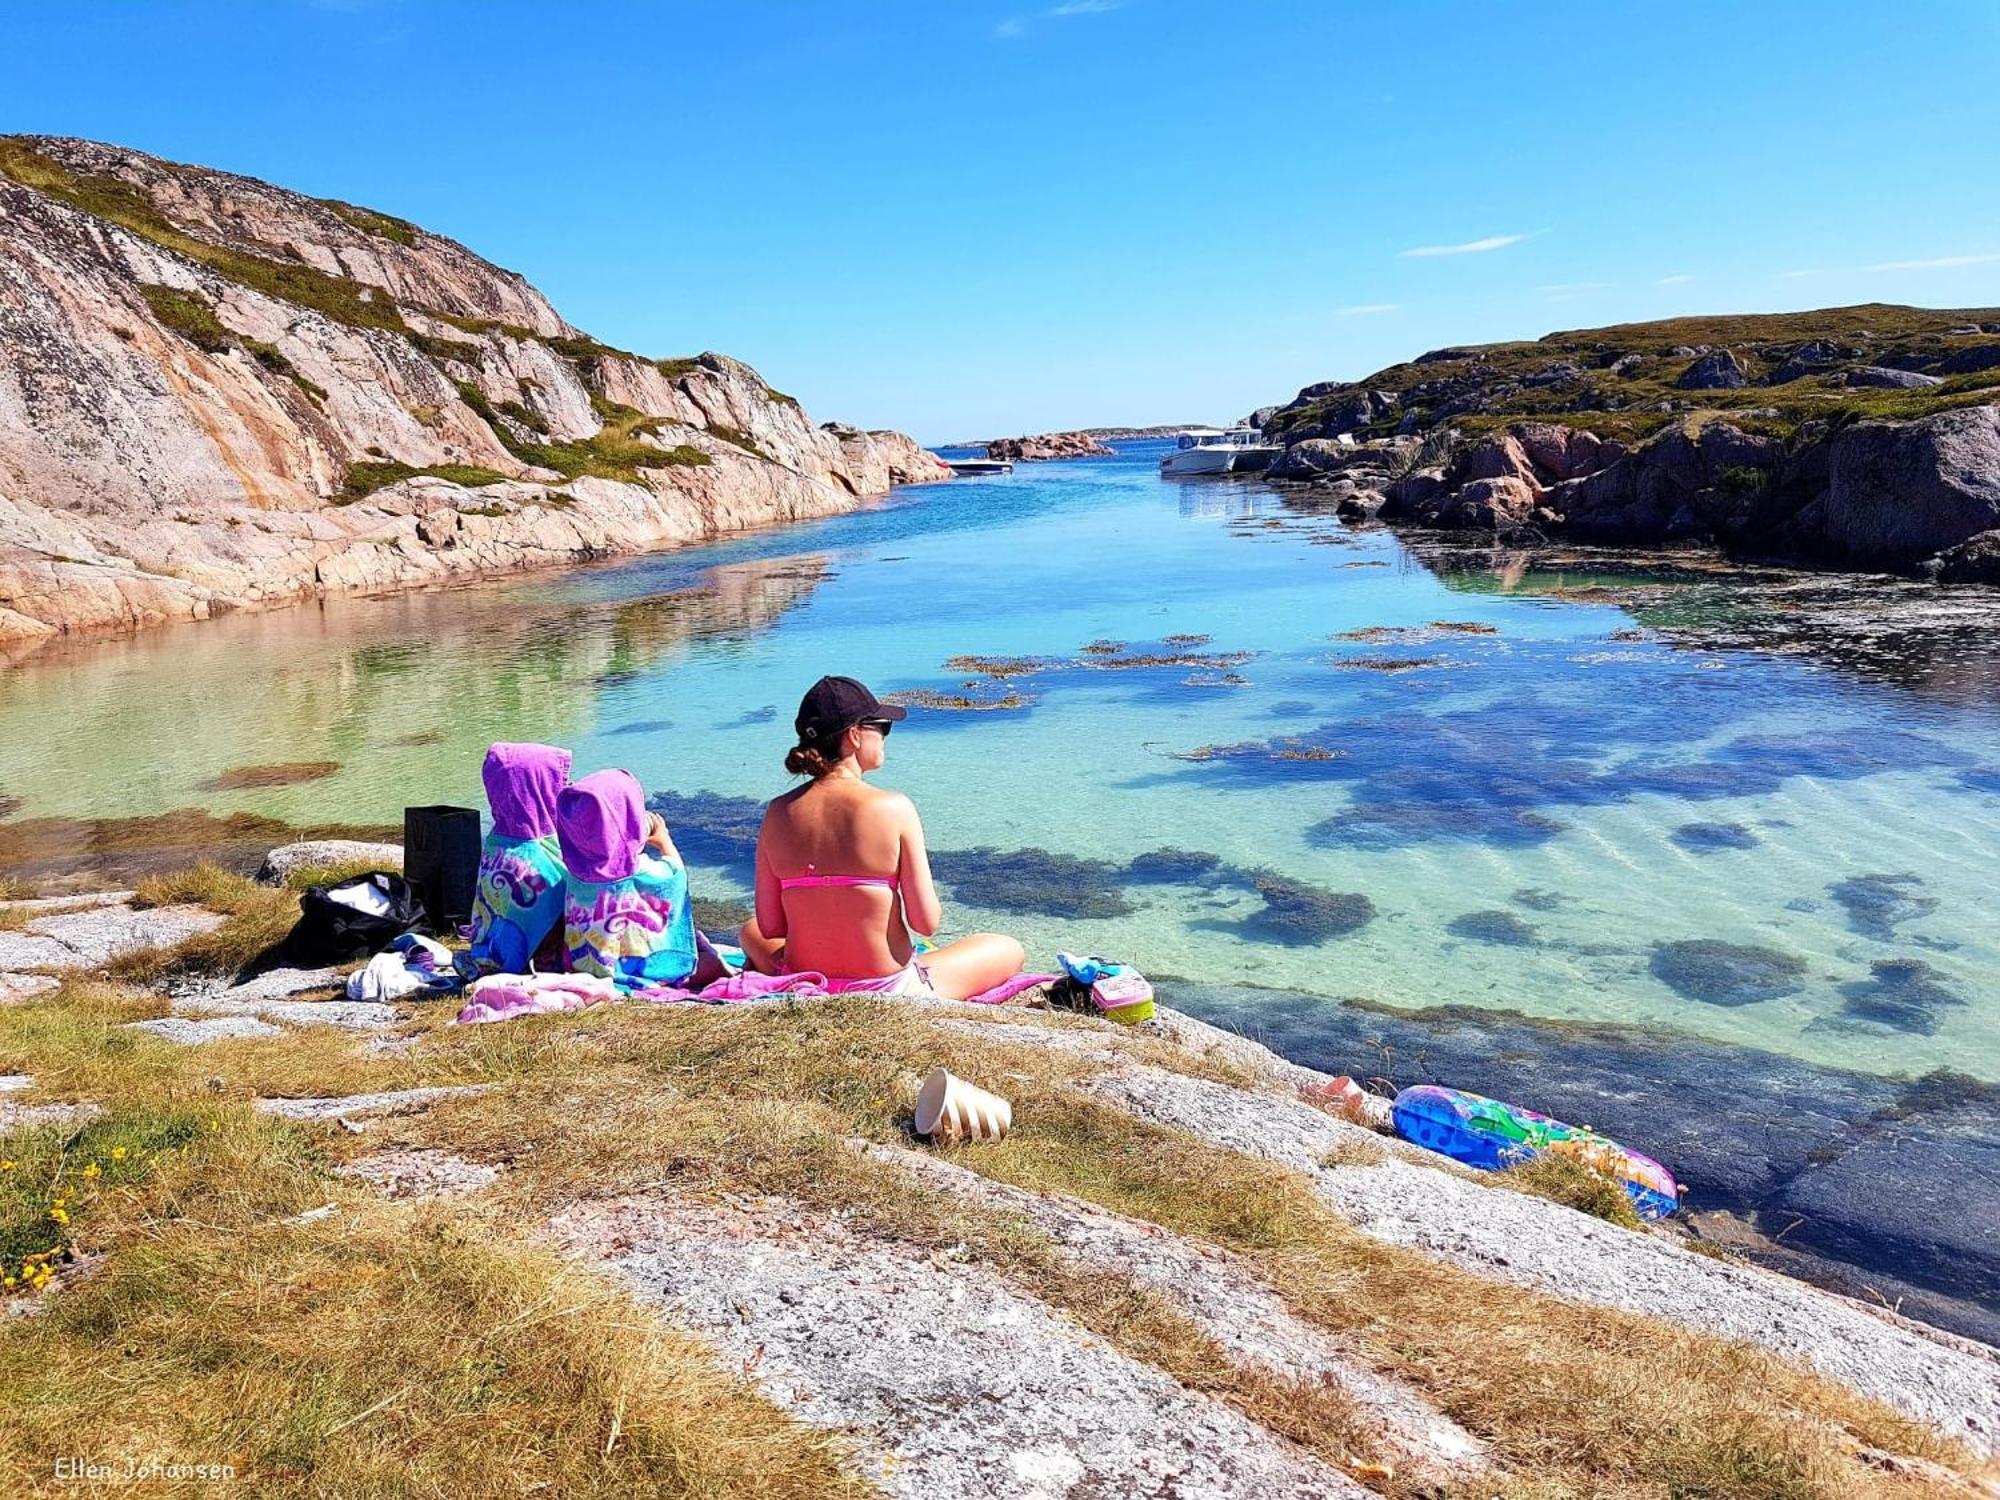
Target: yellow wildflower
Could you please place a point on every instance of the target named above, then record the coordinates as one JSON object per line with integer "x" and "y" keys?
{"x": 8, "y": 1166}
{"x": 59, "y": 1214}
{"x": 93, "y": 1170}
{"x": 118, "y": 1153}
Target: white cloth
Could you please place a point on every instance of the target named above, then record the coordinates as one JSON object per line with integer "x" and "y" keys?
{"x": 385, "y": 978}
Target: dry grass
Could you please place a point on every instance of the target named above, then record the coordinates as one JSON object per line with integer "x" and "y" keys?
{"x": 1574, "y": 1184}
{"x": 380, "y": 1350}
{"x": 1576, "y": 1400}
{"x": 259, "y": 918}
{"x": 402, "y": 1350}
{"x": 14, "y": 888}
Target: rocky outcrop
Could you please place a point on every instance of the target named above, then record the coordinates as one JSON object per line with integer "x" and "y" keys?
{"x": 1717, "y": 370}
{"x": 218, "y": 394}
{"x": 1976, "y": 560}
{"x": 1839, "y": 437}
{"x": 1902, "y": 492}
{"x": 1700, "y": 483}
{"x": 1048, "y": 445}
{"x": 1886, "y": 379}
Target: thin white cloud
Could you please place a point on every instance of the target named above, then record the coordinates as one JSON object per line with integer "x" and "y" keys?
{"x": 1011, "y": 27}
{"x": 1680, "y": 280}
{"x": 1470, "y": 247}
{"x": 1365, "y": 309}
{"x": 1934, "y": 263}
{"x": 1085, "y": 7}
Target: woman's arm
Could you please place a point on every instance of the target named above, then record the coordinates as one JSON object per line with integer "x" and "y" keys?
{"x": 770, "y": 895}
{"x": 922, "y": 911}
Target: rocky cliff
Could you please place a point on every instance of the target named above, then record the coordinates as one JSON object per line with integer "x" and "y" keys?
{"x": 216, "y": 393}
{"x": 1863, "y": 437}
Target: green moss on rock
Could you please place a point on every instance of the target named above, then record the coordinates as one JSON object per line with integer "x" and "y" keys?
{"x": 189, "y": 316}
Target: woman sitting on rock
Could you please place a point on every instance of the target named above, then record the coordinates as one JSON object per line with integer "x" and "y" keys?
{"x": 842, "y": 876}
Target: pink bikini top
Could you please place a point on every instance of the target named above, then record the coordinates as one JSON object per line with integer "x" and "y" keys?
{"x": 812, "y": 879}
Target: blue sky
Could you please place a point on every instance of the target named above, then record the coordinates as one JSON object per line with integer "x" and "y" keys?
{"x": 964, "y": 218}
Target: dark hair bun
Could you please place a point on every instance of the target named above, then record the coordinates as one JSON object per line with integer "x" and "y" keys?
{"x": 804, "y": 760}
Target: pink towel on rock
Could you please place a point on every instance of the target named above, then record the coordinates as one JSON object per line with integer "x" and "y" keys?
{"x": 1007, "y": 989}
{"x": 505, "y": 996}
{"x": 502, "y": 997}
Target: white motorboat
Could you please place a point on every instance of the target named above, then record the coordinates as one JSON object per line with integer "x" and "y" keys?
{"x": 1213, "y": 450}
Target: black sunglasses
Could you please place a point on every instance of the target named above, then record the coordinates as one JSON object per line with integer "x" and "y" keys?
{"x": 880, "y": 726}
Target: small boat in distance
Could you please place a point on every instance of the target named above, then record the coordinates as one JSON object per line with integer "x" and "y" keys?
{"x": 1211, "y": 450}
{"x": 980, "y": 465}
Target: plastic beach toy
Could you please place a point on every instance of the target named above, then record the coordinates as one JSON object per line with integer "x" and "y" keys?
{"x": 1488, "y": 1134}
{"x": 1120, "y": 991}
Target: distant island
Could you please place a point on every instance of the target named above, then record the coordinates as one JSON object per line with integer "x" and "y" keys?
{"x": 1861, "y": 437}
{"x": 1101, "y": 434}
{"x": 1048, "y": 445}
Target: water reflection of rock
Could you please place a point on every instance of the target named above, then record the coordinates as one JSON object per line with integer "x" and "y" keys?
{"x": 1941, "y": 642}
{"x": 409, "y": 690}
{"x": 1885, "y": 1187}
{"x": 731, "y": 603}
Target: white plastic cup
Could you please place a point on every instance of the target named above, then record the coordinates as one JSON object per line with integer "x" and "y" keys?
{"x": 950, "y": 1110}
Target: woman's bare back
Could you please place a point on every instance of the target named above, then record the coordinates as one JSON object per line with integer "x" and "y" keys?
{"x": 839, "y": 826}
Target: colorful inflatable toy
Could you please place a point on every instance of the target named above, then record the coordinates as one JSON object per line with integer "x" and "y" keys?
{"x": 1488, "y": 1134}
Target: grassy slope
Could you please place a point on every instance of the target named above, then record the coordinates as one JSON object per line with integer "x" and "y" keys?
{"x": 1759, "y": 340}
{"x": 439, "y": 1349}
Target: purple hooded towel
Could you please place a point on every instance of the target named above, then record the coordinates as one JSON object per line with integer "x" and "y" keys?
{"x": 601, "y": 823}
{"x": 522, "y": 784}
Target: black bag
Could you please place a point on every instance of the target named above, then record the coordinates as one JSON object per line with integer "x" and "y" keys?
{"x": 351, "y": 919}
{"x": 441, "y": 859}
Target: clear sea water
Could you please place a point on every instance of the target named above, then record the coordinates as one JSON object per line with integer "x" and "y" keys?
{"x": 1577, "y": 809}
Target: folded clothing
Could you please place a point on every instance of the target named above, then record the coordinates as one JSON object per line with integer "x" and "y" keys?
{"x": 502, "y": 997}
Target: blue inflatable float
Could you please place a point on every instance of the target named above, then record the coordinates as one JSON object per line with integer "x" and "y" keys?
{"x": 1489, "y": 1134}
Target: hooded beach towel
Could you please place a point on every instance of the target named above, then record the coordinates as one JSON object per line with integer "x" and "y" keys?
{"x": 519, "y": 899}
{"x": 625, "y": 912}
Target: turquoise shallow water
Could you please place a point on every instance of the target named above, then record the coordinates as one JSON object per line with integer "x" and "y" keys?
{"x": 1555, "y": 807}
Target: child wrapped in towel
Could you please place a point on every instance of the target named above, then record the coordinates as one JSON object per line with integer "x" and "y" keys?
{"x": 518, "y": 902}
{"x": 626, "y": 914}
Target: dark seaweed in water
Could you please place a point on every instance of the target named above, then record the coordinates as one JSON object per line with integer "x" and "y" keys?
{"x": 762, "y": 715}
{"x": 719, "y": 914}
{"x": 645, "y": 726}
{"x": 1537, "y": 898}
{"x": 1298, "y": 914}
{"x": 712, "y": 830}
{"x": 9, "y": 805}
{"x": 1876, "y": 905}
{"x": 1981, "y": 778}
{"x": 282, "y": 773}
{"x": 1903, "y": 992}
{"x": 1704, "y": 838}
{"x": 1172, "y": 867}
{"x": 1499, "y": 927}
{"x": 1393, "y": 825}
{"x": 1499, "y": 771}
{"x": 1034, "y": 880}
{"x": 1718, "y": 973}
{"x": 1290, "y": 708}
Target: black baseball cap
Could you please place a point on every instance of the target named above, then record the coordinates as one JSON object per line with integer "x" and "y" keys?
{"x": 833, "y": 703}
